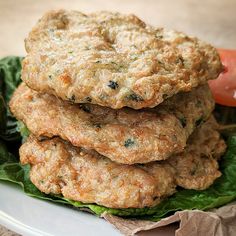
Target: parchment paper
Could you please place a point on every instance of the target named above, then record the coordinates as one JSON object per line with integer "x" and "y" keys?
{"x": 217, "y": 222}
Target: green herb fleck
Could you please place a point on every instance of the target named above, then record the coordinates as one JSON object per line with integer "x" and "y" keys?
{"x": 159, "y": 36}
{"x": 129, "y": 142}
{"x": 113, "y": 84}
{"x": 183, "y": 121}
{"x": 180, "y": 60}
{"x": 88, "y": 99}
{"x": 120, "y": 68}
{"x": 141, "y": 164}
{"x": 117, "y": 66}
{"x": 97, "y": 125}
{"x": 114, "y": 63}
{"x": 84, "y": 108}
{"x": 72, "y": 99}
{"x": 199, "y": 121}
{"x": 135, "y": 97}
{"x": 103, "y": 96}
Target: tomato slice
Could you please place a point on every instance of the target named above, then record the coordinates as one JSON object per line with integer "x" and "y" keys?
{"x": 224, "y": 87}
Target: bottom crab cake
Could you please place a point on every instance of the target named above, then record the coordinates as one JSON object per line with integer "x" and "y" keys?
{"x": 82, "y": 175}
{"x": 57, "y": 167}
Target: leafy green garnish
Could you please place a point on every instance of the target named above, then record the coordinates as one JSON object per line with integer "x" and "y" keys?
{"x": 10, "y": 69}
{"x": 5, "y": 156}
{"x": 24, "y": 132}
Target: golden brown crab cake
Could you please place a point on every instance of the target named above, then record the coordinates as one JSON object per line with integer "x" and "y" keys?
{"x": 114, "y": 60}
{"x": 126, "y": 136}
{"x": 57, "y": 167}
{"x": 197, "y": 167}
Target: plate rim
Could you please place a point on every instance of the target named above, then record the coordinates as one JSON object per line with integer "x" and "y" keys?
{"x": 10, "y": 223}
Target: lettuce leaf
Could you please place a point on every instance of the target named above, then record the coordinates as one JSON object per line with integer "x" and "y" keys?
{"x": 10, "y": 69}
{"x": 220, "y": 193}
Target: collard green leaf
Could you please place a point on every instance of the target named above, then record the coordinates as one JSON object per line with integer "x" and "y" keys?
{"x": 24, "y": 132}
{"x": 10, "y": 69}
{"x": 3, "y": 117}
{"x": 10, "y": 75}
{"x": 5, "y": 156}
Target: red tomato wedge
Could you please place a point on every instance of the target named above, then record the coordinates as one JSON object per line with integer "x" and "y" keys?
{"x": 224, "y": 87}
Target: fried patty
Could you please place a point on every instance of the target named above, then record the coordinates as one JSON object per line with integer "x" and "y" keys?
{"x": 57, "y": 167}
{"x": 114, "y": 60}
{"x": 126, "y": 136}
{"x": 197, "y": 167}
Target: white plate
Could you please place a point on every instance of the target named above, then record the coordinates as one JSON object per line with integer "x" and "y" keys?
{"x": 33, "y": 217}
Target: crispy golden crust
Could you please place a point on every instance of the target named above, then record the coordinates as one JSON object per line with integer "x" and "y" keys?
{"x": 197, "y": 166}
{"x": 114, "y": 60}
{"x": 60, "y": 168}
{"x": 82, "y": 175}
{"x": 125, "y": 136}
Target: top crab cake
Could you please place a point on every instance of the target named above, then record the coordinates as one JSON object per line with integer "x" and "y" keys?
{"x": 114, "y": 60}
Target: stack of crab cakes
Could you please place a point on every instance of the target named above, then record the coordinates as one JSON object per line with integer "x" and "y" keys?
{"x": 119, "y": 111}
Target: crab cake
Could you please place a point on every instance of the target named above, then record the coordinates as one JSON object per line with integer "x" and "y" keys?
{"x": 114, "y": 60}
{"x": 80, "y": 175}
{"x": 57, "y": 167}
{"x": 197, "y": 166}
{"x": 126, "y": 136}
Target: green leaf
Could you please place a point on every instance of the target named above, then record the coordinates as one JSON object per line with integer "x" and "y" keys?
{"x": 24, "y": 132}
{"x": 3, "y": 118}
{"x": 10, "y": 75}
{"x": 5, "y": 156}
{"x": 10, "y": 70}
